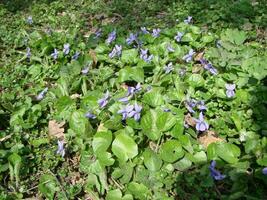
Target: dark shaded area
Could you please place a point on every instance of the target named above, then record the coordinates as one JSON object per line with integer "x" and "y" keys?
{"x": 19, "y": 5}
{"x": 233, "y": 13}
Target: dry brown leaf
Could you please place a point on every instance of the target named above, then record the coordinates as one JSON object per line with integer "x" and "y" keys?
{"x": 101, "y": 127}
{"x": 56, "y": 129}
{"x": 190, "y": 120}
{"x": 196, "y": 69}
{"x": 209, "y": 137}
{"x": 75, "y": 96}
{"x": 199, "y": 56}
{"x": 92, "y": 53}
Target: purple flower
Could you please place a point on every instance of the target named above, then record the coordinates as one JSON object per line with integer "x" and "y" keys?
{"x": 41, "y": 95}
{"x": 29, "y": 20}
{"x": 188, "y": 57}
{"x": 216, "y": 175}
{"x": 125, "y": 111}
{"x": 190, "y": 105}
{"x": 166, "y": 110}
{"x": 148, "y": 88}
{"x": 136, "y": 113}
{"x": 219, "y": 44}
{"x": 230, "y": 90}
{"x": 264, "y": 170}
{"x": 98, "y": 33}
{"x": 201, "y": 125}
{"x": 104, "y": 101}
{"x": 168, "y": 68}
{"x": 201, "y": 105}
{"x": 28, "y": 53}
{"x": 144, "y": 56}
{"x": 66, "y": 49}
{"x": 124, "y": 99}
{"x": 208, "y": 66}
{"x": 182, "y": 71}
{"x": 143, "y": 29}
{"x": 134, "y": 90}
{"x": 188, "y": 20}
{"x": 179, "y": 36}
{"x": 89, "y": 115}
{"x": 111, "y": 37}
{"x": 75, "y": 56}
{"x": 131, "y": 38}
{"x": 155, "y": 32}
{"x": 55, "y": 54}
{"x": 130, "y": 92}
{"x": 116, "y": 51}
{"x": 60, "y": 148}
{"x": 85, "y": 70}
{"x": 170, "y": 48}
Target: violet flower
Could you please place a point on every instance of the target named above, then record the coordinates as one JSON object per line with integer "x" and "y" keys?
{"x": 66, "y": 48}
{"x": 130, "y": 92}
{"x": 28, "y": 53}
{"x": 144, "y": 30}
{"x": 208, "y": 66}
{"x": 116, "y": 51}
{"x": 264, "y": 170}
{"x": 104, "y": 101}
{"x": 182, "y": 72}
{"x": 111, "y": 37}
{"x": 89, "y": 115}
{"x": 85, "y": 70}
{"x": 188, "y": 57}
{"x": 188, "y": 20}
{"x": 75, "y": 56}
{"x": 230, "y": 90}
{"x": 179, "y": 36}
{"x": 125, "y": 111}
{"x": 29, "y": 20}
{"x": 201, "y": 125}
{"x": 60, "y": 148}
{"x": 55, "y": 54}
{"x": 216, "y": 175}
{"x": 145, "y": 56}
{"x": 170, "y": 48}
{"x": 98, "y": 33}
{"x": 41, "y": 95}
{"x": 201, "y": 105}
{"x": 190, "y": 105}
{"x": 131, "y": 38}
{"x": 124, "y": 99}
{"x": 156, "y": 32}
{"x": 168, "y": 68}
{"x": 136, "y": 113}
{"x": 134, "y": 90}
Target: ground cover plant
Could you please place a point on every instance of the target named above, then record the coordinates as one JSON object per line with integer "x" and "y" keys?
{"x": 93, "y": 107}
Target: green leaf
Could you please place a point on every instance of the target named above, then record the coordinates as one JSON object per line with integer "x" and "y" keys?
{"x": 152, "y": 160}
{"x": 153, "y": 98}
{"x": 80, "y": 124}
{"x": 226, "y": 151}
{"x": 131, "y": 73}
{"x": 129, "y": 56}
{"x": 156, "y": 121}
{"x": 235, "y": 36}
{"x": 114, "y": 195}
{"x": 196, "y": 80}
{"x": 171, "y": 151}
{"x": 48, "y": 186}
{"x": 149, "y": 125}
{"x": 139, "y": 191}
{"x": 101, "y": 141}
{"x": 124, "y": 147}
